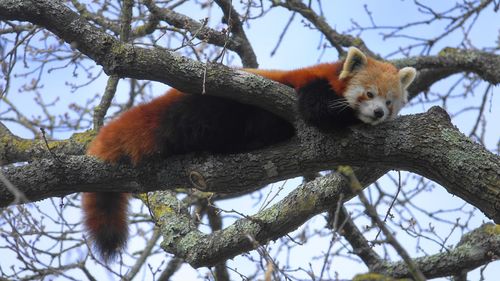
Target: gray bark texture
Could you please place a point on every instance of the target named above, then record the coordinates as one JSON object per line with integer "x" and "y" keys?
{"x": 427, "y": 144}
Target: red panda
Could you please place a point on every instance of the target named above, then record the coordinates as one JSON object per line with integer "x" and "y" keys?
{"x": 336, "y": 95}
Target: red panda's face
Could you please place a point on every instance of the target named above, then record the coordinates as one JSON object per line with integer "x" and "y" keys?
{"x": 377, "y": 91}
{"x": 373, "y": 106}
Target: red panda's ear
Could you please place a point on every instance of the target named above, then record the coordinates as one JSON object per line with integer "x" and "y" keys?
{"x": 355, "y": 61}
{"x": 406, "y": 76}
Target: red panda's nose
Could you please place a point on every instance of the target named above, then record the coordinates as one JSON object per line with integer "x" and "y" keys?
{"x": 379, "y": 113}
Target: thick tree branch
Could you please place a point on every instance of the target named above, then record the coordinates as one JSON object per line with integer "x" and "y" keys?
{"x": 126, "y": 60}
{"x": 427, "y": 144}
{"x": 426, "y": 78}
{"x": 482, "y": 63}
{"x": 198, "y": 249}
{"x": 14, "y": 149}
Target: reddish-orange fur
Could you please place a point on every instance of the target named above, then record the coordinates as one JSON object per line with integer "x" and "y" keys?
{"x": 106, "y": 221}
{"x": 134, "y": 134}
{"x": 300, "y": 77}
{"x": 95, "y": 220}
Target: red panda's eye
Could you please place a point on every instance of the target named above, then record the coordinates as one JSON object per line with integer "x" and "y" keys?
{"x": 388, "y": 102}
{"x": 370, "y": 94}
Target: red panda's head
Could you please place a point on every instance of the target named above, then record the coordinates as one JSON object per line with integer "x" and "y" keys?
{"x": 376, "y": 90}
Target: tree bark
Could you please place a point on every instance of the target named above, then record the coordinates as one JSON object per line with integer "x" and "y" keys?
{"x": 427, "y": 144}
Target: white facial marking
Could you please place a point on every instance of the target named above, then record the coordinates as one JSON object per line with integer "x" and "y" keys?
{"x": 352, "y": 93}
{"x": 374, "y": 107}
{"x": 370, "y": 111}
{"x": 375, "y": 110}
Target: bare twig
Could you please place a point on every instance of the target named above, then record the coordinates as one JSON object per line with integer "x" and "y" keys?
{"x": 372, "y": 212}
{"x": 337, "y": 40}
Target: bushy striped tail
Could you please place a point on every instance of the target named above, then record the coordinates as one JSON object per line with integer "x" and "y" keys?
{"x": 105, "y": 217}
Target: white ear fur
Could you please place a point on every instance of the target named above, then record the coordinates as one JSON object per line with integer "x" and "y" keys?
{"x": 355, "y": 60}
{"x": 406, "y": 76}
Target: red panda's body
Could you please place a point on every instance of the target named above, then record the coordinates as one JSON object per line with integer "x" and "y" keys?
{"x": 330, "y": 96}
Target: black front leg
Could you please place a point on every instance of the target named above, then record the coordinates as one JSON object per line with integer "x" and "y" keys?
{"x": 320, "y": 106}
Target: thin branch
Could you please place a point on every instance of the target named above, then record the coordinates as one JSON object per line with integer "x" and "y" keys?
{"x": 361, "y": 246}
{"x": 101, "y": 109}
{"x": 237, "y": 43}
{"x": 244, "y": 50}
{"x": 145, "y": 253}
{"x": 475, "y": 249}
{"x": 337, "y": 40}
{"x": 282, "y": 35}
{"x": 173, "y": 265}
{"x": 101, "y": 21}
{"x": 372, "y": 213}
